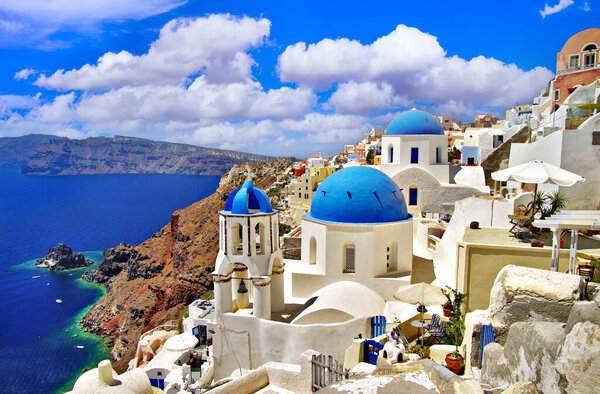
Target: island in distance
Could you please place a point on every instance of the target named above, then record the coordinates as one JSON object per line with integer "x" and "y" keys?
{"x": 118, "y": 155}
{"x": 61, "y": 258}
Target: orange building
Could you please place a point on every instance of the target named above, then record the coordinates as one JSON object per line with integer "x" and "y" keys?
{"x": 578, "y": 63}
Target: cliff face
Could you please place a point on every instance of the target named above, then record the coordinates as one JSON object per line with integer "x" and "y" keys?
{"x": 151, "y": 283}
{"x": 15, "y": 151}
{"x": 127, "y": 155}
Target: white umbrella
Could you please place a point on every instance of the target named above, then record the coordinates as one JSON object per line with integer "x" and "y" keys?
{"x": 537, "y": 172}
{"x": 421, "y": 293}
{"x": 181, "y": 342}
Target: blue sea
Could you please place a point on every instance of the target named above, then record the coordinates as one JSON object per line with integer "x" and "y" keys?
{"x": 90, "y": 213}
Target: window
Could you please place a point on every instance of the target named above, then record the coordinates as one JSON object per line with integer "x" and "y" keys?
{"x": 574, "y": 61}
{"x": 237, "y": 238}
{"x": 596, "y": 138}
{"x": 414, "y": 155}
{"x": 589, "y": 59}
{"x": 259, "y": 234}
{"x": 412, "y": 196}
{"x": 438, "y": 155}
{"x": 392, "y": 255}
{"x": 556, "y": 94}
{"x": 591, "y": 47}
{"x": 313, "y": 251}
{"x": 349, "y": 255}
{"x": 391, "y": 153}
{"x": 299, "y": 195}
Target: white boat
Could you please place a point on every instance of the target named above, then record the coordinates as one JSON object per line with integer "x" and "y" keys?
{"x": 79, "y": 347}
{"x": 36, "y": 277}
{"x": 58, "y": 301}
{"x": 48, "y": 284}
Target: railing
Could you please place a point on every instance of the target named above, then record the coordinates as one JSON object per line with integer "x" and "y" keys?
{"x": 577, "y": 69}
{"x": 326, "y": 370}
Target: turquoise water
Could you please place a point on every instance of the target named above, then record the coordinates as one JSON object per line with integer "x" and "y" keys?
{"x": 38, "y": 337}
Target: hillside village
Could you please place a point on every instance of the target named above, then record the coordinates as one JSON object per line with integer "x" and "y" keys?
{"x": 431, "y": 256}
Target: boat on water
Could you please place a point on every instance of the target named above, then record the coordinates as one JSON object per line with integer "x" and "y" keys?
{"x": 79, "y": 347}
{"x": 59, "y": 301}
{"x": 36, "y": 277}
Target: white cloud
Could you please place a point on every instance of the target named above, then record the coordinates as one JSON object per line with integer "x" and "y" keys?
{"x": 71, "y": 133}
{"x": 586, "y": 6}
{"x": 13, "y": 101}
{"x": 404, "y": 66}
{"x": 202, "y": 100}
{"x": 317, "y": 122}
{"x": 363, "y": 97}
{"x": 403, "y": 51}
{"x": 549, "y": 10}
{"x": 33, "y": 21}
{"x": 25, "y": 73}
{"x": 215, "y": 46}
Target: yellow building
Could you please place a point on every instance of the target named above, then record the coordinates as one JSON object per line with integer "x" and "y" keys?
{"x": 302, "y": 191}
{"x": 483, "y": 252}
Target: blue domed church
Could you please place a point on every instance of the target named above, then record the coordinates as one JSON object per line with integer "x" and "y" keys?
{"x": 358, "y": 230}
{"x": 414, "y": 153}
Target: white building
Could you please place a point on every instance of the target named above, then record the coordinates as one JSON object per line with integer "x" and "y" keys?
{"x": 415, "y": 155}
{"x": 358, "y": 230}
{"x": 249, "y": 265}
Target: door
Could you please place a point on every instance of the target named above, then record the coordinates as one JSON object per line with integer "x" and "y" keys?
{"x": 371, "y": 352}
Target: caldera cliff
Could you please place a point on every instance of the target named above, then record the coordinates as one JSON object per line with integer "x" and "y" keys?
{"x": 151, "y": 283}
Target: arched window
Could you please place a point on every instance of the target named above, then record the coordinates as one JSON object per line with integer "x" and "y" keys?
{"x": 349, "y": 257}
{"x": 313, "y": 251}
{"x": 590, "y": 47}
{"x": 390, "y": 153}
{"x": 392, "y": 257}
{"x": 237, "y": 239}
{"x": 259, "y": 234}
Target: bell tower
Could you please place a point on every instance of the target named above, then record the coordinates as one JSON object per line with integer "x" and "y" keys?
{"x": 249, "y": 267}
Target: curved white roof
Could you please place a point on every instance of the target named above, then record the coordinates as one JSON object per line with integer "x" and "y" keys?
{"x": 341, "y": 301}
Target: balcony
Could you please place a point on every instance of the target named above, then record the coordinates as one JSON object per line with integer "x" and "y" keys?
{"x": 574, "y": 70}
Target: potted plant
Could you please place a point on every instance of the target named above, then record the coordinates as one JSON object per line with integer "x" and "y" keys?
{"x": 447, "y": 307}
{"x": 455, "y": 331}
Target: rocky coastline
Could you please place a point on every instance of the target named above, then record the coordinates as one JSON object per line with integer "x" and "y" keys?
{"x": 152, "y": 283}
{"x": 61, "y": 258}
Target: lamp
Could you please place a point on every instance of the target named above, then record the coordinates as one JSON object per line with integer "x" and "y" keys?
{"x": 242, "y": 289}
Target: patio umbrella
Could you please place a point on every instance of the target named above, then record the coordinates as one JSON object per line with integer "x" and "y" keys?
{"x": 422, "y": 294}
{"x": 181, "y": 342}
{"x": 538, "y": 172}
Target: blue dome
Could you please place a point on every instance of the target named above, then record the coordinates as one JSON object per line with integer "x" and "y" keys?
{"x": 247, "y": 200}
{"x": 414, "y": 122}
{"x": 361, "y": 195}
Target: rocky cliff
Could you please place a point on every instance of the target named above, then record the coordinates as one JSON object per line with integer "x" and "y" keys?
{"x": 151, "y": 283}
{"x": 118, "y": 155}
{"x": 61, "y": 257}
{"x": 16, "y": 151}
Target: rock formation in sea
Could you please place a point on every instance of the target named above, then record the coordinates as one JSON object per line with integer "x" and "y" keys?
{"x": 152, "y": 283}
{"x": 61, "y": 257}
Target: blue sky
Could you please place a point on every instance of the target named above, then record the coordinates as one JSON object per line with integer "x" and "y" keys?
{"x": 271, "y": 77}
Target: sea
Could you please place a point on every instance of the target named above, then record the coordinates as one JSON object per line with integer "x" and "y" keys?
{"x": 42, "y": 347}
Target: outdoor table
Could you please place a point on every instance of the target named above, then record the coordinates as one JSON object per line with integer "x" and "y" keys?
{"x": 422, "y": 325}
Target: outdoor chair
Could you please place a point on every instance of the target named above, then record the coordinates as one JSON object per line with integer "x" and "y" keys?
{"x": 523, "y": 219}
{"x": 438, "y": 332}
{"x": 435, "y": 322}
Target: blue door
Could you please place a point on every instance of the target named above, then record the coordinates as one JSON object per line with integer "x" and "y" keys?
{"x": 371, "y": 352}
{"x": 412, "y": 196}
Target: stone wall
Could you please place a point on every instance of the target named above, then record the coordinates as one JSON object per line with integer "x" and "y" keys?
{"x": 547, "y": 333}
